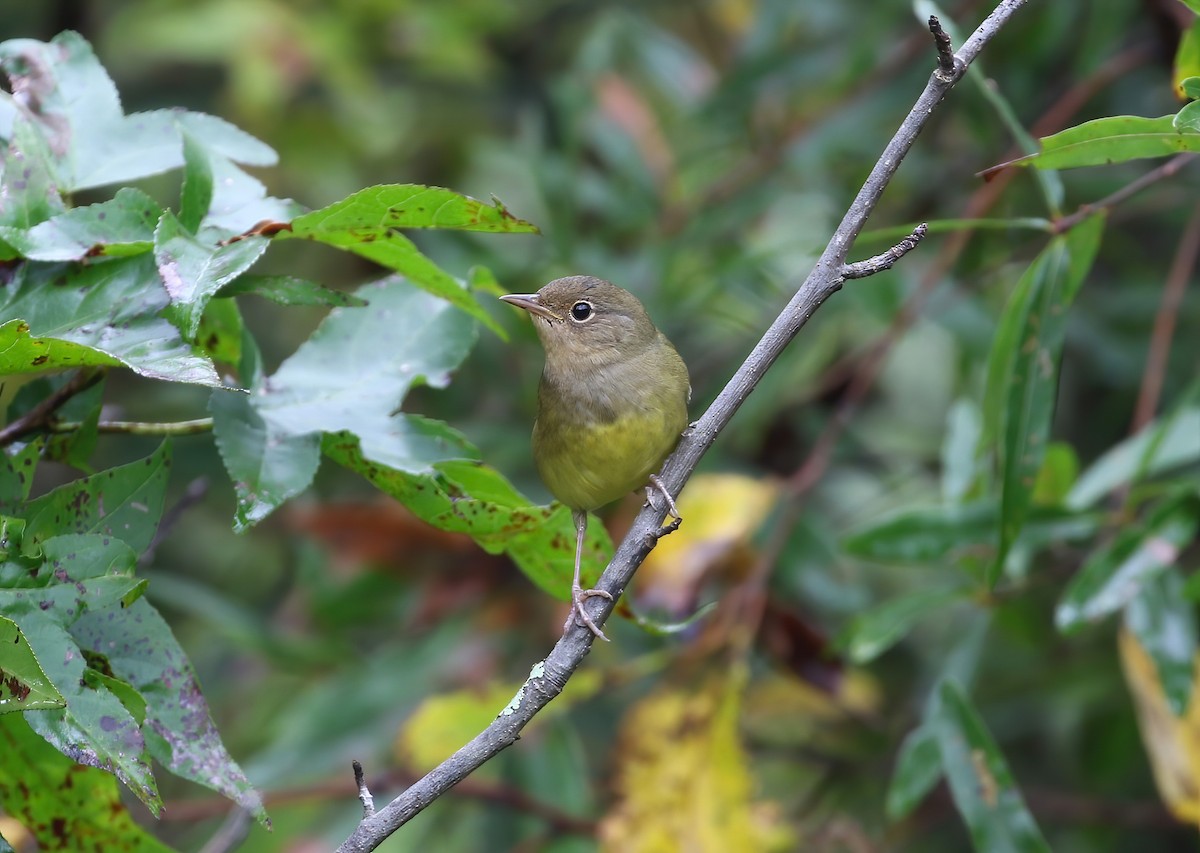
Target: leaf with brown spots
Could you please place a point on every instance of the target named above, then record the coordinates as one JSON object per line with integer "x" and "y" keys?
{"x": 24, "y": 686}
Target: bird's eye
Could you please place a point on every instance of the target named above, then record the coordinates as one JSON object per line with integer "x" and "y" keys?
{"x": 580, "y": 311}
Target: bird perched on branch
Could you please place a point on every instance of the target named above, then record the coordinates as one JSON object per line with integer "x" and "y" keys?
{"x": 612, "y": 402}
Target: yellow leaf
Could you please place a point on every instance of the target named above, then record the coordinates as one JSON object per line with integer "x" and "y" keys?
{"x": 441, "y": 724}
{"x": 682, "y": 781}
{"x": 721, "y": 512}
{"x": 1173, "y": 743}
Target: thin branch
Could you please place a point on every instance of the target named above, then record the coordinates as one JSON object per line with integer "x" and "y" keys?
{"x": 194, "y": 427}
{"x": 42, "y": 415}
{"x": 364, "y": 793}
{"x": 1166, "y": 170}
{"x": 886, "y": 260}
{"x": 548, "y": 677}
{"x": 1183, "y": 267}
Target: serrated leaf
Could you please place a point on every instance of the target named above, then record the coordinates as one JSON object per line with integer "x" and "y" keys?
{"x": 65, "y": 806}
{"x": 181, "y": 735}
{"x": 471, "y": 498}
{"x": 124, "y": 502}
{"x": 350, "y": 375}
{"x": 1026, "y": 364}
{"x": 983, "y": 789}
{"x": 126, "y": 694}
{"x": 1114, "y": 573}
{"x": 111, "y": 308}
{"x": 290, "y": 290}
{"x": 79, "y": 106}
{"x": 918, "y": 770}
{"x": 1115, "y": 139}
{"x": 240, "y": 200}
{"x": 123, "y": 225}
{"x": 24, "y": 686}
{"x": 23, "y": 353}
{"x": 1167, "y": 443}
{"x": 1164, "y": 622}
{"x": 368, "y": 223}
{"x": 193, "y": 271}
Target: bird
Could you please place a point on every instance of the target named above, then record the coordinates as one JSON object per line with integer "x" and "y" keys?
{"x": 612, "y": 403}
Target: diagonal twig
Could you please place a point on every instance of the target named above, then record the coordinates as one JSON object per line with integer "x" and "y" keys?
{"x": 548, "y": 677}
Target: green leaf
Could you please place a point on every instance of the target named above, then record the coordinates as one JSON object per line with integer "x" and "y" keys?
{"x": 180, "y": 733}
{"x": 1029, "y": 370}
{"x": 24, "y": 686}
{"x": 1115, "y": 139}
{"x": 471, "y": 498}
{"x": 196, "y": 194}
{"x": 65, "y": 806}
{"x": 124, "y": 503}
{"x": 938, "y": 533}
{"x": 28, "y": 191}
{"x": 979, "y": 779}
{"x": 240, "y": 201}
{"x": 1060, "y": 467}
{"x": 81, "y": 112}
{"x": 112, "y": 308}
{"x": 21, "y": 352}
{"x": 1113, "y": 575}
{"x": 193, "y": 271}
{"x": 1165, "y": 444}
{"x": 123, "y": 225}
{"x": 918, "y": 769}
{"x": 16, "y": 475}
{"x": 75, "y": 447}
{"x": 1164, "y": 622}
{"x": 876, "y": 630}
{"x": 350, "y": 375}
{"x": 289, "y": 290}
{"x": 368, "y": 223}
{"x": 126, "y": 694}
{"x": 1187, "y": 120}
{"x": 221, "y": 331}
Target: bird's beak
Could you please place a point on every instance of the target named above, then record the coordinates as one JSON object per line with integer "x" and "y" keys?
{"x": 529, "y": 301}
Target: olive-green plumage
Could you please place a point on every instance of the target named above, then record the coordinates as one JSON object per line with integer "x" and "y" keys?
{"x": 613, "y": 396}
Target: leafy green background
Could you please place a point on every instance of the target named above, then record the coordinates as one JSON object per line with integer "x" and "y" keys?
{"x": 971, "y": 549}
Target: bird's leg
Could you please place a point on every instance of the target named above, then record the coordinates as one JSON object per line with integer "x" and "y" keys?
{"x": 656, "y": 487}
{"x": 579, "y": 595}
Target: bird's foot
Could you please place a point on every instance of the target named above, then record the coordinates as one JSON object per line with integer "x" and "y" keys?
{"x": 578, "y": 597}
{"x": 656, "y": 487}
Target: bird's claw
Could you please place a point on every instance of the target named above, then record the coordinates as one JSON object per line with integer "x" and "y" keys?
{"x": 656, "y": 487}
{"x": 579, "y": 614}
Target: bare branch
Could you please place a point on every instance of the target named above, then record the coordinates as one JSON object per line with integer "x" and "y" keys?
{"x": 42, "y": 415}
{"x": 885, "y": 260}
{"x": 548, "y": 677}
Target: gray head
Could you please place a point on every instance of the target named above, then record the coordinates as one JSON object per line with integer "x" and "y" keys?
{"x": 586, "y": 320}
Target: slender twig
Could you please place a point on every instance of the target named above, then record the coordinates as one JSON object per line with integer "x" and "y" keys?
{"x": 192, "y": 495}
{"x": 232, "y": 832}
{"x": 1166, "y": 170}
{"x": 193, "y": 427}
{"x": 364, "y": 793}
{"x": 42, "y": 415}
{"x": 945, "y": 50}
{"x": 885, "y": 260}
{"x": 1183, "y": 267}
{"x": 548, "y": 677}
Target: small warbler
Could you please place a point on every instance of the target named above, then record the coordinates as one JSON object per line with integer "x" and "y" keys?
{"x": 612, "y": 402}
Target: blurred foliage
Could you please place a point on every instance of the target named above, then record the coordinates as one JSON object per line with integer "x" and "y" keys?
{"x": 991, "y": 581}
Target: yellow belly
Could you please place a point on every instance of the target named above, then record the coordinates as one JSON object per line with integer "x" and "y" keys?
{"x": 588, "y": 466}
